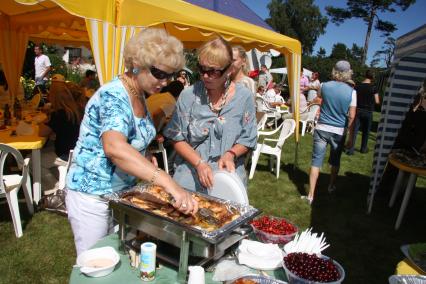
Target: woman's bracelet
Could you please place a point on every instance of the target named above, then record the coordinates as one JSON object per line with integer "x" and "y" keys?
{"x": 154, "y": 176}
{"x": 233, "y": 153}
{"x": 200, "y": 161}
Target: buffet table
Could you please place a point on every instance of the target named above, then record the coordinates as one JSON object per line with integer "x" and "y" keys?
{"x": 124, "y": 273}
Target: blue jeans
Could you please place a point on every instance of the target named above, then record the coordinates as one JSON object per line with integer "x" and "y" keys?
{"x": 321, "y": 140}
{"x": 363, "y": 120}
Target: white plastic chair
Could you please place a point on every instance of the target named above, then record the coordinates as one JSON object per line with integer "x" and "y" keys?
{"x": 10, "y": 185}
{"x": 287, "y": 129}
{"x": 308, "y": 116}
{"x": 262, "y": 122}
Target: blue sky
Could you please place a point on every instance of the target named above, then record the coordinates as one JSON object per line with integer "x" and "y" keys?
{"x": 354, "y": 30}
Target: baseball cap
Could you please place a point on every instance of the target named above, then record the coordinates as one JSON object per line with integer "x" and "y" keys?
{"x": 342, "y": 66}
{"x": 58, "y": 78}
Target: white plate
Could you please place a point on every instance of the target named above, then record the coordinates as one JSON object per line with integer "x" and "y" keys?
{"x": 228, "y": 186}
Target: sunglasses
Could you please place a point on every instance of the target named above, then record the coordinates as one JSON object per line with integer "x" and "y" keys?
{"x": 211, "y": 72}
{"x": 160, "y": 74}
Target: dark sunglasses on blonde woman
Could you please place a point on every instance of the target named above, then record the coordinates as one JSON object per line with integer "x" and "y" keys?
{"x": 211, "y": 72}
{"x": 160, "y": 74}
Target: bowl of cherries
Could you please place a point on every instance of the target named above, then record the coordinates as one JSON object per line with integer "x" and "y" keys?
{"x": 304, "y": 268}
{"x": 269, "y": 229}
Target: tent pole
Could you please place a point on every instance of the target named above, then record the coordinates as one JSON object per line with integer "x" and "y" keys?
{"x": 296, "y": 156}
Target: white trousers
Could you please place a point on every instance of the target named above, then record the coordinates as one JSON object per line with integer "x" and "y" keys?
{"x": 89, "y": 217}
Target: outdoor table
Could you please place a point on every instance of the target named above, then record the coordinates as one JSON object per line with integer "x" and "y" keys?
{"x": 33, "y": 143}
{"x": 124, "y": 273}
{"x": 413, "y": 173}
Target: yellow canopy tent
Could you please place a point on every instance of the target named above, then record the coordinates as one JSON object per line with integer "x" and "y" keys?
{"x": 108, "y": 24}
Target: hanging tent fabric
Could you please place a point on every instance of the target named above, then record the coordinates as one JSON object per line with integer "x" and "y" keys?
{"x": 109, "y": 23}
{"x": 407, "y": 74}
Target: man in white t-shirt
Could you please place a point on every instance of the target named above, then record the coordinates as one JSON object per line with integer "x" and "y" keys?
{"x": 273, "y": 96}
{"x": 42, "y": 67}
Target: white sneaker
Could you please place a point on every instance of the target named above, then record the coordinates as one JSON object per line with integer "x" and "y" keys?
{"x": 309, "y": 199}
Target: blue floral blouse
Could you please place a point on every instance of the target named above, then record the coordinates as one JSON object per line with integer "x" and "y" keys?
{"x": 209, "y": 133}
{"x": 109, "y": 109}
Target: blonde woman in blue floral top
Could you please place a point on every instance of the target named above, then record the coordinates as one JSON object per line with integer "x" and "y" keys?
{"x": 114, "y": 134}
{"x": 214, "y": 124}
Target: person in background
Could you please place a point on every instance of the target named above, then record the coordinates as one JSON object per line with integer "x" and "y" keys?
{"x": 351, "y": 83}
{"x": 265, "y": 77}
{"x": 162, "y": 105}
{"x": 367, "y": 98}
{"x": 313, "y": 87}
{"x": 64, "y": 121}
{"x": 4, "y": 91}
{"x": 337, "y": 114}
{"x": 183, "y": 78}
{"x": 304, "y": 83}
{"x": 260, "y": 91}
{"x": 303, "y": 106}
{"x": 273, "y": 96}
{"x": 42, "y": 67}
{"x": 214, "y": 124}
{"x": 115, "y": 132}
{"x": 78, "y": 95}
{"x": 90, "y": 81}
{"x": 239, "y": 75}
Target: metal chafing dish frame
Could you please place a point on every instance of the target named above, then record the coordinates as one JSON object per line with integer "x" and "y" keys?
{"x": 209, "y": 246}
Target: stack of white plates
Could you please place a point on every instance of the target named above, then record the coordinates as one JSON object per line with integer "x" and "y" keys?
{"x": 229, "y": 186}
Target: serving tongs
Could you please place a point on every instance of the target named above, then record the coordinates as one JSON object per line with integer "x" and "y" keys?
{"x": 203, "y": 214}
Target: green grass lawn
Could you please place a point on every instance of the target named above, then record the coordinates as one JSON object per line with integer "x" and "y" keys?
{"x": 366, "y": 245}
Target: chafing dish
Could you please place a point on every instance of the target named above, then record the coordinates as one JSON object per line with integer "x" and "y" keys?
{"x": 182, "y": 244}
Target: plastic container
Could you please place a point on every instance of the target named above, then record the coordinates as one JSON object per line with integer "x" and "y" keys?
{"x": 294, "y": 279}
{"x": 103, "y": 253}
{"x": 257, "y": 279}
{"x": 272, "y": 238}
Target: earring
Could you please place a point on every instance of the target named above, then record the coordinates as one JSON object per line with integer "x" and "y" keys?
{"x": 135, "y": 71}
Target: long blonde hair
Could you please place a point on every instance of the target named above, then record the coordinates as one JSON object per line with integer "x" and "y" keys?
{"x": 243, "y": 55}
{"x": 61, "y": 98}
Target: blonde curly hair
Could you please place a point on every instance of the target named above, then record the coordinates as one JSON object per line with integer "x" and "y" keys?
{"x": 153, "y": 46}
{"x": 342, "y": 76}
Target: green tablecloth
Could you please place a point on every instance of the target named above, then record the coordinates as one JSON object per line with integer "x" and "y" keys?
{"x": 124, "y": 273}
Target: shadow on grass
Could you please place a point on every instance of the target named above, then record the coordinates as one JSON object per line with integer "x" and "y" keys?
{"x": 297, "y": 176}
{"x": 367, "y": 246}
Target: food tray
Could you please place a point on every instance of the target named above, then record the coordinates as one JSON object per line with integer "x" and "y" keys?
{"x": 246, "y": 212}
{"x": 407, "y": 279}
{"x": 258, "y": 279}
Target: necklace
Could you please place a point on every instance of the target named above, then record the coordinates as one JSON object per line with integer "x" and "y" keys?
{"x": 222, "y": 103}
{"x": 129, "y": 86}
